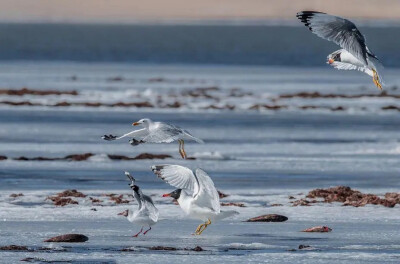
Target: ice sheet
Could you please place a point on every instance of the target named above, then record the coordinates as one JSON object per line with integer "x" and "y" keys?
{"x": 259, "y": 158}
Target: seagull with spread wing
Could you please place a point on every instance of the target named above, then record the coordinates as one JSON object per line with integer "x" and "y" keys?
{"x": 354, "y": 54}
{"x": 147, "y": 213}
{"x": 157, "y": 132}
{"x": 196, "y": 195}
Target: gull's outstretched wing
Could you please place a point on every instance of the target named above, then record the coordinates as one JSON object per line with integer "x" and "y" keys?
{"x": 177, "y": 176}
{"x": 200, "y": 184}
{"x": 207, "y": 195}
{"x": 339, "y": 30}
{"x": 134, "y": 134}
{"x": 163, "y": 133}
{"x": 130, "y": 177}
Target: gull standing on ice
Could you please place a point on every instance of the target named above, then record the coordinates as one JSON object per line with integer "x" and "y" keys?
{"x": 147, "y": 213}
{"x": 354, "y": 54}
{"x": 157, "y": 132}
{"x": 196, "y": 195}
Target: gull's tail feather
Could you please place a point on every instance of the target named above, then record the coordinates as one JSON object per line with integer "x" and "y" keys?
{"x": 226, "y": 214}
{"x": 189, "y": 136}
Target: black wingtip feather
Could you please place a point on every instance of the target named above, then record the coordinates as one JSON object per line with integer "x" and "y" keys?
{"x": 305, "y": 16}
{"x": 308, "y": 13}
{"x": 157, "y": 170}
{"x": 109, "y": 137}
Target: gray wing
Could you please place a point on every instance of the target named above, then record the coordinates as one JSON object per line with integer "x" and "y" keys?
{"x": 134, "y": 134}
{"x": 148, "y": 204}
{"x": 177, "y": 176}
{"x": 339, "y": 30}
{"x": 199, "y": 183}
{"x": 347, "y": 66}
{"x": 163, "y": 133}
{"x": 207, "y": 195}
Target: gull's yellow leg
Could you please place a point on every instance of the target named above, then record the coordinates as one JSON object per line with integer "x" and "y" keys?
{"x": 373, "y": 77}
{"x": 179, "y": 141}
{"x": 181, "y": 148}
{"x": 376, "y": 80}
{"x": 198, "y": 228}
{"x": 201, "y": 230}
{"x": 205, "y": 226}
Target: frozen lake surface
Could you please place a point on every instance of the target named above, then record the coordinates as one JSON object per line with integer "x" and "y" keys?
{"x": 265, "y": 141}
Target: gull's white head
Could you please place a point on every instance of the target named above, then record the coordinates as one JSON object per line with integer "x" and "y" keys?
{"x": 144, "y": 122}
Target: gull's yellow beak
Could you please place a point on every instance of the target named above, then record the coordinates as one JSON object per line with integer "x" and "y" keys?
{"x": 330, "y": 61}
{"x": 135, "y": 124}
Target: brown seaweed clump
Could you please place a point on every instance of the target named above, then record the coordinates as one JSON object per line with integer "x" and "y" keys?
{"x": 233, "y": 204}
{"x": 318, "y": 229}
{"x": 62, "y": 198}
{"x": 350, "y": 197}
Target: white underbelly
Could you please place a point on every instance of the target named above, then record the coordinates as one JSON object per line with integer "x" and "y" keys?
{"x": 141, "y": 218}
{"x": 142, "y": 221}
{"x": 347, "y": 57}
{"x": 196, "y": 212}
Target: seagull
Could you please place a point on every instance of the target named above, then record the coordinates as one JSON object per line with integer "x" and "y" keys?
{"x": 354, "y": 54}
{"x": 196, "y": 195}
{"x": 157, "y": 132}
{"x": 147, "y": 213}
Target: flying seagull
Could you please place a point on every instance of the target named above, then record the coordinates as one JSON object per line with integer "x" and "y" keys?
{"x": 196, "y": 195}
{"x": 354, "y": 54}
{"x": 157, "y": 132}
{"x": 147, "y": 213}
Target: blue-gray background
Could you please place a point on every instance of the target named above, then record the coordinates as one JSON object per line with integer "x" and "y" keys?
{"x": 198, "y": 44}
